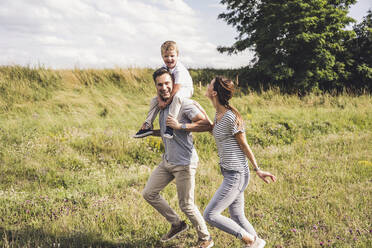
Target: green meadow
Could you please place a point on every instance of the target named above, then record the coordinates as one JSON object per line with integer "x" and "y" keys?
{"x": 72, "y": 176}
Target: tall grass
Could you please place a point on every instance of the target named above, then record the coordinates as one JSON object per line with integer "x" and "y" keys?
{"x": 72, "y": 176}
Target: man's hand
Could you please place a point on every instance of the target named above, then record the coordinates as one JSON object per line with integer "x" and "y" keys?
{"x": 199, "y": 124}
{"x": 173, "y": 123}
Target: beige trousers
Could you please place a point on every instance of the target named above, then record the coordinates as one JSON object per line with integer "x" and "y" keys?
{"x": 185, "y": 183}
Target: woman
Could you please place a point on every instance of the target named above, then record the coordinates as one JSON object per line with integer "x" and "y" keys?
{"x": 233, "y": 149}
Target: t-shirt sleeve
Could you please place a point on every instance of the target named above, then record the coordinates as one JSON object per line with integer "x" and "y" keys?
{"x": 190, "y": 110}
{"x": 234, "y": 129}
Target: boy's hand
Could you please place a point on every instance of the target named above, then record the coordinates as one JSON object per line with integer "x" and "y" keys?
{"x": 144, "y": 126}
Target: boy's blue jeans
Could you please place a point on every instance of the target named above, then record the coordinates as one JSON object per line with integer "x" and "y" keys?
{"x": 230, "y": 195}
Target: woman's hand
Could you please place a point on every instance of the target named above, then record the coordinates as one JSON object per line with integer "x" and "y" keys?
{"x": 173, "y": 123}
{"x": 264, "y": 174}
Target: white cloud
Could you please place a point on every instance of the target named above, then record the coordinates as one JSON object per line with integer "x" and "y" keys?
{"x": 87, "y": 33}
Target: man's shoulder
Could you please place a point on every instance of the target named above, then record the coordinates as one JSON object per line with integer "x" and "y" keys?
{"x": 188, "y": 102}
{"x": 189, "y": 105}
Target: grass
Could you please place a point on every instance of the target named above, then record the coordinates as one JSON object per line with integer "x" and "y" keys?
{"x": 71, "y": 176}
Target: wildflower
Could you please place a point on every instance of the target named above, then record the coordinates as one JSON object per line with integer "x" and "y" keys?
{"x": 321, "y": 243}
{"x": 315, "y": 227}
{"x": 364, "y": 162}
{"x": 294, "y": 230}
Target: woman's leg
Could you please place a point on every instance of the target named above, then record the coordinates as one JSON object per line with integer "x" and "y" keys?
{"x": 236, "y": 211}
{"x": 226, "y": 194}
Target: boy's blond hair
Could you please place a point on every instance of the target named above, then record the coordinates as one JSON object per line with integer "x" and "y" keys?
{"x": 169, "y": 45}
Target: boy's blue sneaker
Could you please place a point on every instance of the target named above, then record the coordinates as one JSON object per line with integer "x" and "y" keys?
{"x": 168, "y": 133}
{"x": 143, "y": 133}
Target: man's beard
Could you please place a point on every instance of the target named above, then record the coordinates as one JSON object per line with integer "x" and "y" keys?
{"x": 162, "y": 98}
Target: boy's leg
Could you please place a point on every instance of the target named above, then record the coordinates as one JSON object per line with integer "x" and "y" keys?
{"x": 153, "y": 111}
{"x": 146, "y": 128}
{"x": 175, "y": 106}
{"x": 158, "y": 180}
{"x": 185, "y": 183}
{"x": 174, "y": 109}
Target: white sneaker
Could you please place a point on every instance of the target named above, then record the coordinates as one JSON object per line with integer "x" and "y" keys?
{"x": 258, "y": 243}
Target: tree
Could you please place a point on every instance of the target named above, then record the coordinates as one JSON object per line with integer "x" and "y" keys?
{"x": 299, "y": 44}
{"x": 360, "y": 56}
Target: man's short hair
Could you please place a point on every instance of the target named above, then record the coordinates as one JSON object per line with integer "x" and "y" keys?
{"x": 169, "y": 45}
{"x": 160, "y": 72}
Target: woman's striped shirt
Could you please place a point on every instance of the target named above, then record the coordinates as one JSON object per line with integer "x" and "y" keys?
{"x": 231, "y": 155}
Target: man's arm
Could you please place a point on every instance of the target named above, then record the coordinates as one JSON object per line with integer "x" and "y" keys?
{"x": 200, "y": 123}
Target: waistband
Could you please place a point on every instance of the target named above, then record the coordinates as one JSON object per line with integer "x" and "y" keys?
{"x": 244, "y": 169}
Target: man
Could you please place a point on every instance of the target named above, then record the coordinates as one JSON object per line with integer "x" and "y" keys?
{"x": 179, "y": 162}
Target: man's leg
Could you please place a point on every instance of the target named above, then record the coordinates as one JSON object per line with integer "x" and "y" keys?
{"x": 185, "y": 182}
{"x": 160, "y": 178}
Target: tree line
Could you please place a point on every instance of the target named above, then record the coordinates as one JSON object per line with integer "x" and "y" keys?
{"x": 301, "y": 46}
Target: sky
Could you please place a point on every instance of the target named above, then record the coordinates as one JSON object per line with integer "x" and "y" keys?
{"x": 119, "y": 33}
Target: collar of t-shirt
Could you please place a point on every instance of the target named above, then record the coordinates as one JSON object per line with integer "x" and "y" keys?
{"x": 170, "y": 70}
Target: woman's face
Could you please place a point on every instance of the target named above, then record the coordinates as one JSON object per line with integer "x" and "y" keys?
{"x": 210, "y": 92}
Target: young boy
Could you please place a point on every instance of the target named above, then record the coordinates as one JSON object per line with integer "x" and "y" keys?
{"x": 183, "y": 88}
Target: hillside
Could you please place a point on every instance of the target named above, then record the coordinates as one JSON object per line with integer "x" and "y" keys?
{"x": 72, "y": 176}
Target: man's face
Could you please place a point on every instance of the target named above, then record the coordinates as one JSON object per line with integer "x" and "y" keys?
{"x": 170, "y": 58}
{"x": 164, "y": 86}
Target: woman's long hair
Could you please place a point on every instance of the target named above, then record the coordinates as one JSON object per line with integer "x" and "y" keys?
{"x": 225, "y": 91}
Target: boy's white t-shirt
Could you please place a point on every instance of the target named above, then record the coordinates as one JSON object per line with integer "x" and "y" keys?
{"x": 183, "y": 78}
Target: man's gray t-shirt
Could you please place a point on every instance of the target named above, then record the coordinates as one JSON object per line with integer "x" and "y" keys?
{"x": 180, "y": 149}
